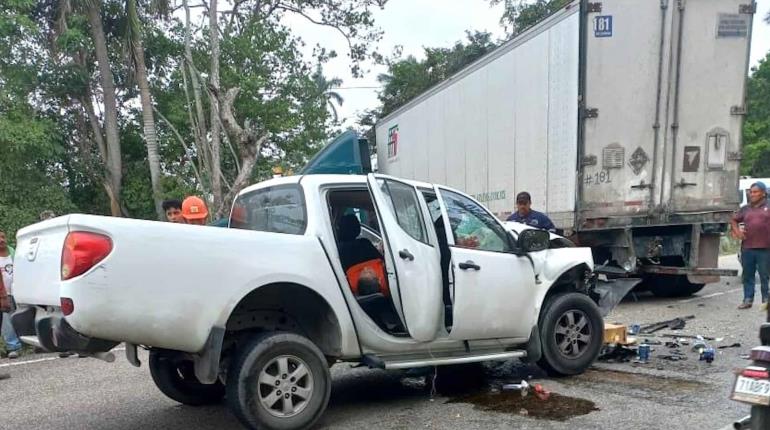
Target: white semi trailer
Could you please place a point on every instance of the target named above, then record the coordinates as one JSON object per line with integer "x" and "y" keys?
{"x": 622, "y": 118}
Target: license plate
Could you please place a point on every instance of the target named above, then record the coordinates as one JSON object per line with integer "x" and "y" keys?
{"x": 751, "y": 390}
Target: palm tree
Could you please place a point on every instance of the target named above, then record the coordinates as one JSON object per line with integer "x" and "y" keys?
{"x": 325, "y": 89}
{"x": 136, "y": 56}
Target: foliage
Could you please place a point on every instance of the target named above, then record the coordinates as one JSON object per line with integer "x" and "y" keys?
{"x": 519, "y": 15}
{"x": 52, "y": 115}
{"x": 409, "y": 77}
{"x": 756, "y": 128}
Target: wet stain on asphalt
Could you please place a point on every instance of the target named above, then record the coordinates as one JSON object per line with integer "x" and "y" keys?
{"x": 556, "y": 408}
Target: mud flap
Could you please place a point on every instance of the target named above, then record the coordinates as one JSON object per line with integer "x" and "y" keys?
{"x": 607, "y": 294}
{"x": 534, "y": 347}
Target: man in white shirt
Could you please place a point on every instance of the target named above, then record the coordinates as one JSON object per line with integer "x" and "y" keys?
{"x": 12, "y": 343}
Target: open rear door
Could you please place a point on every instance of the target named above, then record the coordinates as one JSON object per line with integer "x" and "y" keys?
{"x": 411, "y": 254}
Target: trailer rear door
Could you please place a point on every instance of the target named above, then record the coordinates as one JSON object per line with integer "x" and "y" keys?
{"x": 711, "y": 46}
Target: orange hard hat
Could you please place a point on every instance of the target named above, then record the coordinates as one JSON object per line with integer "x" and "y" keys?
{"x": 194, "y": 208}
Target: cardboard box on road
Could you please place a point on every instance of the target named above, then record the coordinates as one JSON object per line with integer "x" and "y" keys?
{"x": 615, "y": 333}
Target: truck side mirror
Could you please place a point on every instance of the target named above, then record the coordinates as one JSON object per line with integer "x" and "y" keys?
{"x": 534, "y": 240}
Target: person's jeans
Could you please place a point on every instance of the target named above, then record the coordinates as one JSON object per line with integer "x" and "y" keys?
{"x": 12, "y": 342}
{"x": 753, "y": 261}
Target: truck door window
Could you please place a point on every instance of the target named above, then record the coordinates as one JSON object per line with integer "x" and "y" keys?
{"x": 275, "y": 209}
{"x": 472, "y": 226}
{"x": 403, "y": 202}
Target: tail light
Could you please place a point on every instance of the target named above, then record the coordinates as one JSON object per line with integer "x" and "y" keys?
{"x": 67, "y": 306}
{"x": 755, "y": 373}
{"x": 82, "y": 251}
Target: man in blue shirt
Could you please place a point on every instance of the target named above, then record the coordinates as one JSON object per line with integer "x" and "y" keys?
{"x": 525, "y": 215}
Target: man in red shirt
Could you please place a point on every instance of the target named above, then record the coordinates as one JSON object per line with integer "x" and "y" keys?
{"x": 755, "y": 247}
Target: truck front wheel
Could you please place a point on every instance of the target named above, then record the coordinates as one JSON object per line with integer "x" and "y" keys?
{"x": 280, "y": 381}
{"x": 176, "y": 379}
{"x": 571, "y": 334}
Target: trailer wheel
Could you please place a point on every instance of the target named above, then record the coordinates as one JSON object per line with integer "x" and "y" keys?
{"x": 176, "y": 379}
{"x": 279, "y": 380}
{"x": 571, "y": 332}
{"x": 673, "y": 286}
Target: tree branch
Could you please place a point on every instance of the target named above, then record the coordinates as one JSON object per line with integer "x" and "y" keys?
{"x": 184, "y": 145}
{"x": 314, "y": 21}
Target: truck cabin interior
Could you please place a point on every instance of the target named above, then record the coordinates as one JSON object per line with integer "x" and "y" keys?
{"x": 360, "y": 249}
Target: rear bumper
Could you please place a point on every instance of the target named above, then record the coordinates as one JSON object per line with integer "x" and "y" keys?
{"x": 52, "y": 331}
{"x": 692, "y": 271}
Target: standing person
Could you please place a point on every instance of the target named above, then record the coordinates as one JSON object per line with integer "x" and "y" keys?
{"x": 194, "y": 210}
{"x": 525, "y": 215}
{"x": 12, "y": 343}
{"x": 173, "y": 210}
{"x": 5, "y": 304}
{"x": 755, "y": 246}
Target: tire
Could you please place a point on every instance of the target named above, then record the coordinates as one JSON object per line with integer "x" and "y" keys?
{"x": 673, "y": 286}
{"x": 561, "y": 320}
{"x": 273, "y": 357}
{"x": 176, "y": 379}
{"x": 760, "y": 417}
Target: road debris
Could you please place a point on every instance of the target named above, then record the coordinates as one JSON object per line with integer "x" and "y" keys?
{"x": 615, "y": 334}
{"x": 735, "y": 345}
{"x": 674, "y": 356}
{"x": 617, "y": 353}
{"x": 690, "y": 336}
{"x": 633, "y": 329}
{"x": 674, "y": 324}
{"x": 708, "y": 354}
{"x": 643, "y": 353}
{"x": 522, "y": 387}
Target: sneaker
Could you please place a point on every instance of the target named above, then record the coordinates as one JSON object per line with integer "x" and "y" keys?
{"x": 4, "y": 376}
{"x": 744, "y": 305}
{"x": 64, "y": 354}
{"x": 763, "y": 307}
{"x": 13, "y": 355}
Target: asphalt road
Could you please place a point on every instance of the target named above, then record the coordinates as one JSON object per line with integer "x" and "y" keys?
{"x": 45, "y": 391}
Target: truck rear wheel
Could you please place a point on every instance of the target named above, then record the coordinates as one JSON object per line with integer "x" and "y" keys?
{"x": 571, "y": 333}
{"x": 279, "y": 381}
{"x": 672, "y": 286}
{"x": 176, "y": 379}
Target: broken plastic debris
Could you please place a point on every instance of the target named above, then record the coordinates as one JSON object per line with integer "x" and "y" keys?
{"x": 523, "y": 387}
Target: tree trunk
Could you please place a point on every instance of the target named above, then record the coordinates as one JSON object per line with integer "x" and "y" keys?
{"x": 150, "y": 134}
{"x": 216, "y": 164}
{"x": 114, "y": 167}
{"x": 247, "y": 139}
{"x": 200, "y": 130}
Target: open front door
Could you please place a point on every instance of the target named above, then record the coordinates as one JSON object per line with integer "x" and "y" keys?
{"x": 411, "y": 255}
{"x": 494, "y": 290}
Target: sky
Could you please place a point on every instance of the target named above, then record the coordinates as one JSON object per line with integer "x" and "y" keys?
{"x": 414, "y": 24}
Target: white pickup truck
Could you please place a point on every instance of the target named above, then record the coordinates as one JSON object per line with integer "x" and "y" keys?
{"x": 258, "y": 312}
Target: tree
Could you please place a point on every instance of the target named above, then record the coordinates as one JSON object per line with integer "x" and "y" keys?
{"x": 409, "y": 77}
{"x": 247, "y": 133}
{"x": 136, "y": 49}
{"x": 111, "y": 141}
{"x": 326, "y": 89}
{"x": 519, "y": 15}
{"x": 756, "y": 128}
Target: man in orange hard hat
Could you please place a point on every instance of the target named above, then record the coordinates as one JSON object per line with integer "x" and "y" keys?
{"x": 194, "y": 210}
